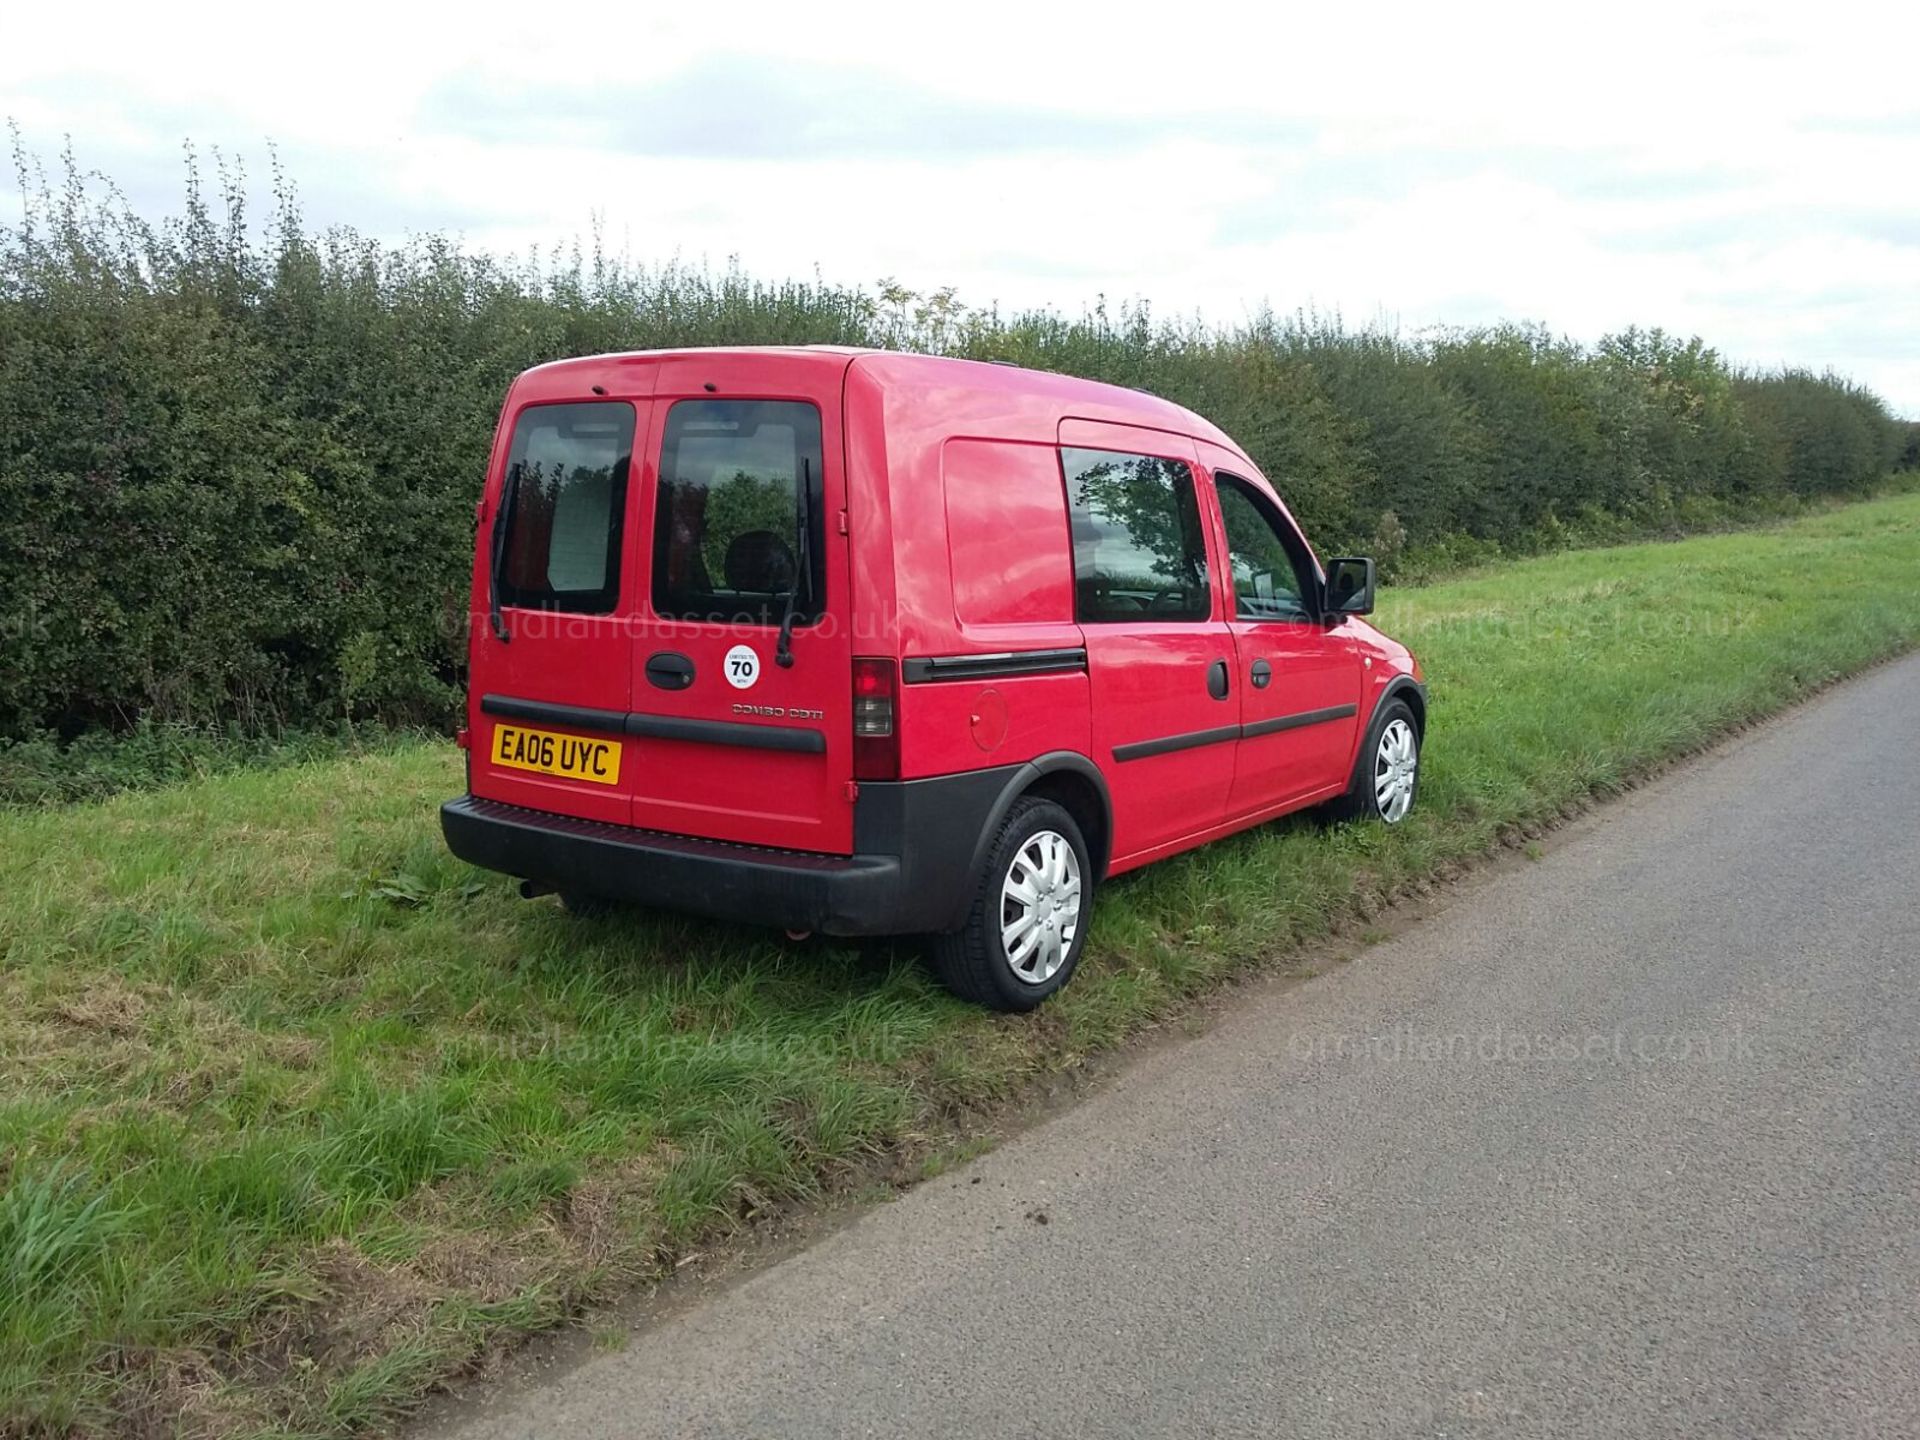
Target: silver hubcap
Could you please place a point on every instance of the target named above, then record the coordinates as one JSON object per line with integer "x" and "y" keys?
{"x": 1395, "y": 765}
{"x": 1040, "y": 906}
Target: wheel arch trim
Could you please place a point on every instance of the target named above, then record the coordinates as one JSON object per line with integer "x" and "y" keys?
{"x": 1400, "y": 687}
{"x": 1413, "y": 692}
{"x": 1055, "y": 762}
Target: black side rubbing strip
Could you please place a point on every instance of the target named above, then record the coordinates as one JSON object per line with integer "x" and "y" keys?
{"x": 1167, "y": 744}
{"x": 921, "y": 671}
{"x": 579, "y": 717}
{"x": 1294, "y": 722}
{"x": 659, "y": 727}
{"x": 727, "y": 732}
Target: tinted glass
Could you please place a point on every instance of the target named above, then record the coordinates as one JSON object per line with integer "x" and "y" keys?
{"x": 1138, "y": 552}
{"x": 564, "y": 498}
{"x": 726, "y": 534}
{"x": 1268, "y": 578}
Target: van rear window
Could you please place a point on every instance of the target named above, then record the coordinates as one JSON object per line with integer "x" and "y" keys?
{"x": 563, "y": 502}
{"x": 726, "y": 530}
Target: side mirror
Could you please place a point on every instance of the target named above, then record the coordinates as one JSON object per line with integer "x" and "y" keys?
{"x": 1349, "y": 588}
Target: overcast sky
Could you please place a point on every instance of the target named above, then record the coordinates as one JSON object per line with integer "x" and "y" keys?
{"x": 1750, "y": 174}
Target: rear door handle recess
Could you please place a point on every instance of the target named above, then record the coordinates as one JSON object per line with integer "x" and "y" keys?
{"x": 1217, "y": 680}
{"x": 1262, "y": 674}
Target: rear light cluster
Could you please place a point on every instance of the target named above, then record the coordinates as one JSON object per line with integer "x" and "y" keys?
{"x": 876, "y": 738}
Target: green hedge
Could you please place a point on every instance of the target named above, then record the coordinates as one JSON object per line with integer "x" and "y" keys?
{"x": 238, "y": 459}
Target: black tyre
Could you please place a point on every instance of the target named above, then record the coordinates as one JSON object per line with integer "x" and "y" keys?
{"x": 1386, "y": 777}
{"x": 1028, "y": 922}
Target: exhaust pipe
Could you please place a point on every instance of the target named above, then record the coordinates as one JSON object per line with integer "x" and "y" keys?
{"x": 534, "y": 889}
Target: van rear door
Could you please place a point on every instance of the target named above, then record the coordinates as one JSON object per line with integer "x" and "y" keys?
{"x": 550, "y": 680}
{"x": 742, "y": 505}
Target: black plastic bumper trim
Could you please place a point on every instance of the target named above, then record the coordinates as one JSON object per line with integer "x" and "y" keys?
{"x": 923, "y": 670}
{"x": 835, "y": 894}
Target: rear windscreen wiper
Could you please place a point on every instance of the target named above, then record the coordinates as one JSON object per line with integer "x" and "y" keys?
{"x": 803, "y": 509}
{"x": 509, "y": 489}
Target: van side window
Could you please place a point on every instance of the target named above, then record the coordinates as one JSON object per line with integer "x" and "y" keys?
{"x": 726, "y": 529}
{"x": 1272, "y": 573}
{"x": 562, "y": 505}
{"x": 1138, "y": 550}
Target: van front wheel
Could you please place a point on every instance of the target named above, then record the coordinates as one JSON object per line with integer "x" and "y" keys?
{"x": 1387, "y": 776}
{"x": 1028, "y": 922}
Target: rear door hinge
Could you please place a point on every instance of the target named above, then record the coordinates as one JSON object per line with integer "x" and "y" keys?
{"x": 853, "y": 791}
{"x": 843, "y": 523}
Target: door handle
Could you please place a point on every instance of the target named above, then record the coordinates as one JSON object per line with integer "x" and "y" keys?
{"x": 1217, "y": 680}
{"x": 1262, "y": 674}
{"x": 669, "y": 670}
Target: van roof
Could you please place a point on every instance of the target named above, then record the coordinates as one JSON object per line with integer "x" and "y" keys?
{"x": 1088, "y": 399}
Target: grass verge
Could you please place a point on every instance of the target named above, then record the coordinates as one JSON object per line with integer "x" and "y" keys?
{"x": 299, "y": 1116}
{"x": 44, "y": 770}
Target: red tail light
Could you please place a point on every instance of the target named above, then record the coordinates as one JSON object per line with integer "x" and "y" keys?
{"x": 876, "y": 738}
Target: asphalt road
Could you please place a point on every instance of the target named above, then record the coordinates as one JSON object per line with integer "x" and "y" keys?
{"x": 1625, "y": 1142}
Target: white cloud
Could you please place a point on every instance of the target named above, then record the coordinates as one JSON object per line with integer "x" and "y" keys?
{"x": 1745, "y": 173}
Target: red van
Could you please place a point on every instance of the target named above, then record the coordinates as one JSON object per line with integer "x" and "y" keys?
{"x": 871, "y": 643}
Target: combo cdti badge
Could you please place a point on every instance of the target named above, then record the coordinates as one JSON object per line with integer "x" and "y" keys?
{"x": 870, "y": 643}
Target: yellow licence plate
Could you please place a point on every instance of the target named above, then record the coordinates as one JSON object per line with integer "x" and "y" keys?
{"x": 568, "y": 756}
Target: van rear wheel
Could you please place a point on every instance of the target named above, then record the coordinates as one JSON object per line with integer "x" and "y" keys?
{"x": 1028, "y": 921}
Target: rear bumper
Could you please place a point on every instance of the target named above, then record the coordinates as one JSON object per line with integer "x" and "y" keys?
{"x": 838, "y": 895}
{"x": 890, "y": 887}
